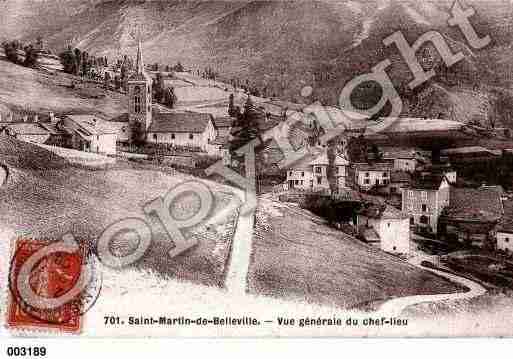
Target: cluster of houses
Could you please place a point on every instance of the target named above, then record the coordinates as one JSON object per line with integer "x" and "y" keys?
{"x": 418, "y": 197}
{"x": 144, "y": 122}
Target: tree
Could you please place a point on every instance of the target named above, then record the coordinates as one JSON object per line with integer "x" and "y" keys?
{"x": 179, "y": 67}
{"x": 231, "y": 106}
{"x": 78, "y": 61}
{"x": 117, "y": 82}
{"x": 31, "y": 56}
{"x": 158, "y": 88}
{"x": 68, "y": 60}
{"x": 170, "y": 98}
{"x": 106, "y": 80}
{"x": 11, "y": 51}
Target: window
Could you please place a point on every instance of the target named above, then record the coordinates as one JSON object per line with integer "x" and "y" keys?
{"x": 506, "y": 240}
{"x": 424, "y": 195}
{"x": 424, "y": 220}
{"x": 290, "y": 173}
{"x": 319, "y": 180}
{"x": 318, "y": 170}
{"x": 341, "y": 169}
{"x": 412, "y": 221}
{"x": 137, "y": 99}
{"x": 172, "y": 136}
{"x": 302, "y": 182}
{"x": 155, "y": 136}
{"x": 302, "y": 174}
{"x": 424, "y": 208}
{"x": 297, "y": 182}
{"x": 366, "y": 181}
{"x": 388, "y": 224}
{"x": 366, "y": 174}
{"x": 394, "y": 248}
{"x": 385, "y": 174}
{"x": 191, "y": 136}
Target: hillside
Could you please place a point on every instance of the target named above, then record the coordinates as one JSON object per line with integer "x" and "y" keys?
{"x": 45, "y": 197}
{"x": 39, "y": 91}
{"x": 306, "y": 260}
{"x": 274, "y": 46}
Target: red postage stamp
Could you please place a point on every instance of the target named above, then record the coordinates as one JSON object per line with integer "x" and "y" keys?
{"x": 49, "y": 277}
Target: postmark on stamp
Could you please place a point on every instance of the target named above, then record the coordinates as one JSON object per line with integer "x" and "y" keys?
{"x": 50, "y": 287}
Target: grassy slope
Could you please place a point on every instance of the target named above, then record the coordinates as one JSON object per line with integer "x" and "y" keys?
{"x": 46, "y": 198}
{"x": 22, "y": 87}
{"x": 297, "y": 257}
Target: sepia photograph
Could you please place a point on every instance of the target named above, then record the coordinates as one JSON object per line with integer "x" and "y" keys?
{"x": 255, "y": 169}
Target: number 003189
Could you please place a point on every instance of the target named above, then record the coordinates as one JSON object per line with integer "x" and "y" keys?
{"x": 26, "y": 351}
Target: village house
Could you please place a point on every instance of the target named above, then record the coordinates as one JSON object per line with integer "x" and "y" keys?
{"x": 424, "y": 200}
{"x": 367, "y": 176}
{"x": 310, "y": 173}
{"x": 440, "y": 169}
{"x": 472, "y": 215}
{"x": 89, "y": 133}
{"x": 398, "y": 181}
{"x": 403, "y": 159}
{"x": 223, "y": 125}
{"x": 470, "y": 154}
{"x": 386, "y": 227}
{"x": 26, "y": 131}
{"x": 504, "y": 229}
{"x": 179, "y": 128}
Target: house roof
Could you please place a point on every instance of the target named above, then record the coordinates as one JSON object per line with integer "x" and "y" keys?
{"x": 373, "y": 167}
{"x": 404, "y": 124}
{"x": 400, "y": 176}
{"x": 93, "y": 125}
{"x": 400, "y": 153}
{"x": 27, "y": 128}
{"x": 223, "y": 122}
{"x": 476, "y": 204}
{"x": 428, "y": 181}
{"x": 382, "y": 211}
{"x": 369, "y": 234}
{"x": 322, "y": 160}
{"x": 466, "y": 150}
{"x": 183, "y": 121}
{"x": 52, "y": 128}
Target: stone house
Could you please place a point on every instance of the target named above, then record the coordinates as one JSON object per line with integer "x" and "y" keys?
{"x": 424, "y": 200}
{"x": 472, "y": 215}
{"x": 386, "y": 227}
{"x": 311, "y": 172}
{"x": 367, "y": 176}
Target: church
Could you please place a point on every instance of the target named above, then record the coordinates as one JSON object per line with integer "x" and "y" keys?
{"x": 148, "y": 123}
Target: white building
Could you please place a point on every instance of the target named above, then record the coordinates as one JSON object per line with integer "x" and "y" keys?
{"x": 368, "y": 176}
{"x": 190, "y": 129}
{"x": 386, "y": 227}
{"x": 311, "y": 172}
{"x": 89, "y": 133}
{"x": 403, "y": 159}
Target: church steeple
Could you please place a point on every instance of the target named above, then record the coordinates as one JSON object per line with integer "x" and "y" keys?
{"x": 140, "y": 61}
{"x": 139, "y": 100}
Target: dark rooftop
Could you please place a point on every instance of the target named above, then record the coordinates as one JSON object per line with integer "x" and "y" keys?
{"x": 191, "y": 122}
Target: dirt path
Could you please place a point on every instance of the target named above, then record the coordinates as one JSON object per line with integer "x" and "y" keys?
{"x": 394, "y": 307}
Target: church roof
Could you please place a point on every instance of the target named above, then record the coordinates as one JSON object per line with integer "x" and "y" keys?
{"x": 183, "y": 121}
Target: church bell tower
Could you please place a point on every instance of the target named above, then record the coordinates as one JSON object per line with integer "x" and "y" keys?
{"x": 139, "y": 101}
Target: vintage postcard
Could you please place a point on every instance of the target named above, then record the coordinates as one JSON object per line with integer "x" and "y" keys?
{"x": 327, "y": 168}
